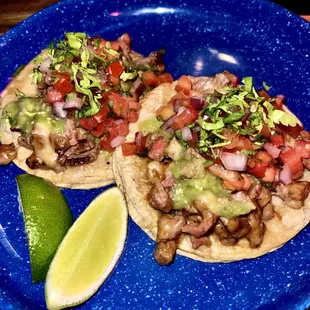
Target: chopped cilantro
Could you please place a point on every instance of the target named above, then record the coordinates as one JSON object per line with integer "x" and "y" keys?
{"x": 36, "y": 76}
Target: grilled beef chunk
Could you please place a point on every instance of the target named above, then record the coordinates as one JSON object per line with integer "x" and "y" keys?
{"x": 256, "y": 234}
{"x": 33, "y": 162}
{"x": 294, "y": 194}
{"x": 25, "y": 142}
{"x": 7, "y": 153}
{"x": 190, "y": 210}
{"x": 225, "y": 237}
{"x": 208, "y": 219}
{"x": 154, "y": 59}
{"x": 198, "y": 242}
{"x": 268, "y": 212}
{"x": 165, "y": 252}
{"x": 159, "y": 199}
{"x": 85, "y": 152}
{"x": 170, "y": 227}
{"x": 264, "y": 197}
{"x": 238, "y": 227}
{"x": 208, "y": 84}
{"x": 59, "y": 142}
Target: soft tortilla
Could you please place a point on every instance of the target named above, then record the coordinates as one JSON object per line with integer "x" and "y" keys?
{"x": 96, "y": 174}
{"x": 131, "y": 176}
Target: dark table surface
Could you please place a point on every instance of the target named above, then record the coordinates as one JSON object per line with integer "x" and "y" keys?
{"x": 14, "y": 11}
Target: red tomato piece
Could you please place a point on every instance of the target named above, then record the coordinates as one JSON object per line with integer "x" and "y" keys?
{"x": 263, "y": 93}
{"x": 62, "y": 75}
{"x": 63, "y": 86}
{"x": 102, "y": 114}
{"x": 264, "y": 157}
{"x": 293, "y": 160}
{"x": 165, "y": 78}
{"x": 115, "y": 69}
{"x": 134, "y": 105}
{"x": 277, "y": 140}
{"x": 105, "y": 143}
{"x": 53, "y": 95}
{"x": 88, "y": 123}
{"x": 119, "y": 130}
{"x": 184, "y": 84}
{"x": 279, "y": 102}
{"x": 118, "y": 103}
{"x": 129, "y": 148}
{"x": 302, "y": 148}
{"x": 244, "y": 144}
{"x": 188, "y": 116}
{"x": 99, "y": 130}
{"x": 115, "y": 45}
{"x": 149, "y": 78}
{"x": 256, "y": 168}
{"x": 179, "y": 95}
{"x": 270, "y": 174}
{"x": 132, "y": 116}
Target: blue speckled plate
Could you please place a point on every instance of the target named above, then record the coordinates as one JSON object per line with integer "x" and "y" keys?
{"x": 247, "y": 37}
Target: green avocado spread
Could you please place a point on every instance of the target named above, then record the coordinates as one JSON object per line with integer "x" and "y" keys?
{"x": 25, "y": 112}
{"x": 194, "y": 183}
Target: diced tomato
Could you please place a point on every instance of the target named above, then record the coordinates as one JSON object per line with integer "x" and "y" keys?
{"x": 99, "y": 130}
{"x": 179, "y": 95}
{"x": 293, "y": 160}
{"x": 277, "y": 140}
{"x": 264, "y": 157}
{"x": 134, "y": 105}
{"x": 165, "y": 78}
{"x": 63, "y": 86}
{"x": 125, "y": 109}
{"x": 184, "y": 84}
{"x": 165, "y": 112}
{"x": 263, "y": 93}
{"x": 140, "y": 142}
{"x": 279, "y": 102}
{"x": 62, "y": 75}
{"x": 256, "y": 168}
{"x": 265, "y": 132}
{"x": 102, "y": 114}
{"x": 105, "y": 143}
{"x": 157, "y": 150}
{"x": 294, "y": 131}
{"x": 132, "y": 116}
{"x": 115, "y": 69}
{"x": 193, "y": 142}
{"x": 187, "y": 117}
{"x": 244, "y": 144}
{"x": 149, "y": 78}
{"x": 270, "y": 174}
{"x": 129, "y": 148}
{"x": 302, "y": 148}
{"x": 118, "y": 102}
{"x": 114, "y": 80}
{"x": 115, "y": 45}
{"x": 53, "y": 95}
{"x": 102, "y": 45}
{"x": 121, "y": 129}
{"x": 88, "y": 123}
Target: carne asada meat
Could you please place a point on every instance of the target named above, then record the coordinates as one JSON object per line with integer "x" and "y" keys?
{"x": 170, "y": 227}
{"x": 7, "y": 153}
{"x": 165, "y": 252}
{"x": 159, "y": 199}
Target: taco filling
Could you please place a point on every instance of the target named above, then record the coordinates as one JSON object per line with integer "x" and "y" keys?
{"x": 88, "y": 93}
{"x": 216, "y": 158}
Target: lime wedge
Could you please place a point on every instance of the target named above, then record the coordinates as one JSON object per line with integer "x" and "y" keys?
{"x": 47, "y": 219}
{"x": 89, "y": 251}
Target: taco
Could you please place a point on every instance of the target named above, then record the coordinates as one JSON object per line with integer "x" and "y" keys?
{"x": 215, "y": 173}
{"x": 70, "y": 107}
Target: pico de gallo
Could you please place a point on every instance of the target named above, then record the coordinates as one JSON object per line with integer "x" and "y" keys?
{"x": 90, "y": 87}
{"x": 216, "y": 159}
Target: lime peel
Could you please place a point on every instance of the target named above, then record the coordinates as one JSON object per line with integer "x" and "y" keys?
{"x": 89, "y": 251}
